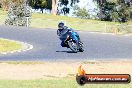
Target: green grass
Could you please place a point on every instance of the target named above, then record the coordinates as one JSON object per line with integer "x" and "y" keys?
{"x": 55, "y": 83}
{"x": 7, "y": 45}
{"x": 2, "y": 16}
{"x": 50, "y": 21}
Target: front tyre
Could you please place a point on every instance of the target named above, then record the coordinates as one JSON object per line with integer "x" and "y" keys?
{"x": 81, "y": 49}
{"x": 73, "y": 46}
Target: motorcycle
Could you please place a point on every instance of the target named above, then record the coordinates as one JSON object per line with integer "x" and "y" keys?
{"x": 72, "y": 42}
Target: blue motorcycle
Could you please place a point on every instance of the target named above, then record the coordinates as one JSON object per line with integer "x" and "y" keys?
{"x": 72, "y": 41}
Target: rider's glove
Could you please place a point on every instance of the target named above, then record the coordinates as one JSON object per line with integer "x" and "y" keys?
{"x": 58, "y": 33}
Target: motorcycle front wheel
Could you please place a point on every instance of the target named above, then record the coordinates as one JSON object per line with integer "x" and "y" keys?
{"x": 73, "y": 46}
{"x": 81, "y": 48}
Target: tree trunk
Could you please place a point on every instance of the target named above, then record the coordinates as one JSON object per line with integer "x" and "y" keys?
{"x": 54, "y": 7}
{"x": 42, "y": 10}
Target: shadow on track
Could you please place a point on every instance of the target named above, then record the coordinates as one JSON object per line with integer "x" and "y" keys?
{"x": 66, "y": 51}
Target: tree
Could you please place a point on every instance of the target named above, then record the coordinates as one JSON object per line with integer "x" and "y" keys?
{"x": 64, "y": 6}
{"x": 49, "y": 4}
{"x": 63, "y": 2}
{"x": 54, "y": 7}
{"x": 38, "y": 4}
{"x": 18, "y": 14}
{"x": 74, "y": 2}
{"x": 4, "y": 4}
{"x": 115, "y": 10}
{"x": 81, "y": 12}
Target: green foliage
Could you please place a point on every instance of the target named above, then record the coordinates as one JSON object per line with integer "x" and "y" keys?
{"x": 115, "y": 10}
{"x": 81, "y": 12}
{"x": 47, "y": 4}
{"x": 40, "y": 4}
{"x": 36, "y": 4}
{"x": 17, "y": 15}
{"x": 74, "y": 1}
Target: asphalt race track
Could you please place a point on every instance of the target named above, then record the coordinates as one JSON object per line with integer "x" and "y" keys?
{"x": 47, "y": 45}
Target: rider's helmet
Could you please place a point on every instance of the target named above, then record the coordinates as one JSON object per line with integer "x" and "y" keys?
{"x": 61, "y": 25}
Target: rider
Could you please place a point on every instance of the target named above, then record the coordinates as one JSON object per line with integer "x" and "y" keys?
{"x": 62, "y": 33}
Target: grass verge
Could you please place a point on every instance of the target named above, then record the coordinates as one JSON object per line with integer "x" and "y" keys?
{"x": 8, "y": 45}
{"x": 50, "y": 21}
{"x": 55, "y": 83}
{"x": 23, "y": 62}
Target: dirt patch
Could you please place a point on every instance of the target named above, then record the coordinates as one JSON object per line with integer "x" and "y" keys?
{"x": 62, "y": 69}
